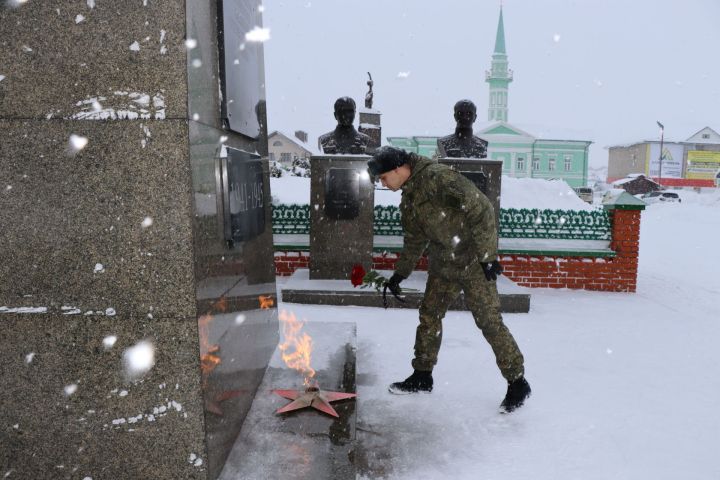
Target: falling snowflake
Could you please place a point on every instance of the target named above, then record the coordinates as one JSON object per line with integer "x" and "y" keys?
{"x": 99, "y": 268}
{"x": 79, "y": 18}
{"x": 556, "y": 38}
{"x": 16, "y": 3}
{"x": 403, "y": 74}
{"x": 77, "y": 143}
{"x": 91, "y": 3}
{"x": 197, "y": 63}
{"x": 135, "y": 46}
{"x": 258, "y": 34}
{"x": 29, "y": 358}
{"x": 70, "y": 389}
{"x": 147, "y": 222}
{"x": 109, "y": 342}
{"x": 139, "y": 359}
{"x": 190, "y": 43}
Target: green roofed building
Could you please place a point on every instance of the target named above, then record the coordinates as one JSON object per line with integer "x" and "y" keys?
{"x": 549, "y": 155}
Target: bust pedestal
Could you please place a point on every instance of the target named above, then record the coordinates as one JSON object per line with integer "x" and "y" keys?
{"x": 341, "y": 215}
{"x": 485, "y": 174}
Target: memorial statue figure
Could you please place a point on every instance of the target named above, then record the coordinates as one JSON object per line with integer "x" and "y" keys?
{"x": 369, "y": 94}
{"x": 462, "y": 143}
{"x": 344, "y": 139}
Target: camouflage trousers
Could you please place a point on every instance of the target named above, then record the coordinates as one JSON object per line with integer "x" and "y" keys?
{"x": 481, "y": 297}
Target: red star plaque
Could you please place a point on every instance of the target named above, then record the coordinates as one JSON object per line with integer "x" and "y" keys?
{"x": 312, "y": 397}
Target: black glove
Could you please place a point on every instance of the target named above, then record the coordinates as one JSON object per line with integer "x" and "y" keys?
{"x": 492, "y": 270}
{"x": 394, "y": 285}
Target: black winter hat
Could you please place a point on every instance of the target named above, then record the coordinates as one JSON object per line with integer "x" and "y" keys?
{"x": 385, "y": 159}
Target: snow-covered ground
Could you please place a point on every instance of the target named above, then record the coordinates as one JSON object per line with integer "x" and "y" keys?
{"x": 516, "y": 193}
{"x": 625, "y": 386}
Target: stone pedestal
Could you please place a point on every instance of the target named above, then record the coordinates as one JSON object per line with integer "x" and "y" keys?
{"x": 342, "y": 200}
{"x": 370, "y": 126}
{"x": 120, "y": 239}
{"x": 485, "y": 174}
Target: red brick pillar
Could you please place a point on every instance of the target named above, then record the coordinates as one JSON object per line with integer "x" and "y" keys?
{"x": 625, "y": 221}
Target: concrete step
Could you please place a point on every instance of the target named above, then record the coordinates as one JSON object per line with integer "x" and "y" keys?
{"x": 509, "y": 303}
{"x": 298, "y": 288}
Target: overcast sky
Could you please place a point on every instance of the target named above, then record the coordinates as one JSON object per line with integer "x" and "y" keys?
{"x": 604, "y": 69}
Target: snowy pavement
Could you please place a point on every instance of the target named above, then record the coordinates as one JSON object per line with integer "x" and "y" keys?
{"x": 624, "y": 385}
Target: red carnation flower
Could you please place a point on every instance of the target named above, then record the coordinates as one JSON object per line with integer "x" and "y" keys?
{"x": 357, "y": 275}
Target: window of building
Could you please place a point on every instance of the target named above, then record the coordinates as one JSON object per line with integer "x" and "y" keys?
{"x": 285, "y": 158}
{"x": 520, "y": 164}
{"x": 551, "y": 164}
{"x": 272, "y": 157}
{"x": 536, "y": 163}
{"x": 568, "y": 163}
{"x": 706, "y": 135}
{"x": 277, "y": 143}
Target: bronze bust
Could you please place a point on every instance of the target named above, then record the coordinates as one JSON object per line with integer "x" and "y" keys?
{"x": 462, "y": 143}
{"x": 344, "y": 139}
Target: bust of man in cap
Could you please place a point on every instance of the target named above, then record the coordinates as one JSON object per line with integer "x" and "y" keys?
{"x": 344, "y": 139}
{"x": 462, "y": 143}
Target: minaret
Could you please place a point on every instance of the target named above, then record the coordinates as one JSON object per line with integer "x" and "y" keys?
{"x": 499, "y": 77}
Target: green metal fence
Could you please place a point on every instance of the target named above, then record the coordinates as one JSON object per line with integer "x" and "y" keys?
{"x": 514, "y": 223}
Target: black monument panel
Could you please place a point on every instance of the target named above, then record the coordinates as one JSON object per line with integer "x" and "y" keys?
{"x": 478, "y": 178}
{"x": 242, "y": 193}
{"x": 342, "y": 193}
{"x": 241, "y": 66}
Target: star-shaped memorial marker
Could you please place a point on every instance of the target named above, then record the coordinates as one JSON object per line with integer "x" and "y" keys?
{"x": 312, "y": 397}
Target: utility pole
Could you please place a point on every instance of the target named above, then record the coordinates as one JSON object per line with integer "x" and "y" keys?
{"x": 662, "y": 134}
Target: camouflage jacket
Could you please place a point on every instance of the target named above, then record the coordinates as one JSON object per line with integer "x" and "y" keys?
{"x": 443, "y": 212}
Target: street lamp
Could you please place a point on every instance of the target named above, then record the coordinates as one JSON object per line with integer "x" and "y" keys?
{"x": 662, "y": 134}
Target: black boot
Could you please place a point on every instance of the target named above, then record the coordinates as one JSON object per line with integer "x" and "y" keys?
{"x": 518, "y": 390}
{"x": 417, "y": 382}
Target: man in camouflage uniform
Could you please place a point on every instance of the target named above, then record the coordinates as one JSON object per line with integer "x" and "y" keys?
{"x": 444, "y": 212}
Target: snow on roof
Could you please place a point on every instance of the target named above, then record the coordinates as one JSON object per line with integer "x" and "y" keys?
{"x": 295, "y": 140}
{"x": 623, "y": 181}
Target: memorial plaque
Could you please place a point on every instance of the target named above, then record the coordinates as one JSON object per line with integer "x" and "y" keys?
{"x": 241, "y": 186}
{"x": 342, "y": 193}
{"x": 479, "y": 179}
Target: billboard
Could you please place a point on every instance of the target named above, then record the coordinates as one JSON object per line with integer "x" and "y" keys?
{"x": 671, "y": 160}
{"x": 703, "y": 165}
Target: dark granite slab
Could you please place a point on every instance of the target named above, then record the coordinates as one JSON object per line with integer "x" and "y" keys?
{"x": 75, "y": 232}
{"x": 110, "y": 427}
{"x": 51, "y": 61}
{"x": 305, "y": 443}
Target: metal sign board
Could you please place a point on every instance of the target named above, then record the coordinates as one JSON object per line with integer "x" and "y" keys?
{"x": 342, "y": 193}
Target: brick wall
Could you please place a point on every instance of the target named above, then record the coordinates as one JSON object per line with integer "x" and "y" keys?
{"x": 609, "y": 274}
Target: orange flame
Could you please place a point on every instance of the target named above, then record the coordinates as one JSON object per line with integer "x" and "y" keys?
{"x": 296, "y": 350}
{"x": 208, "y": 358}
{"x": 221, "y": 304}
{"x": 266, "y": 302}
